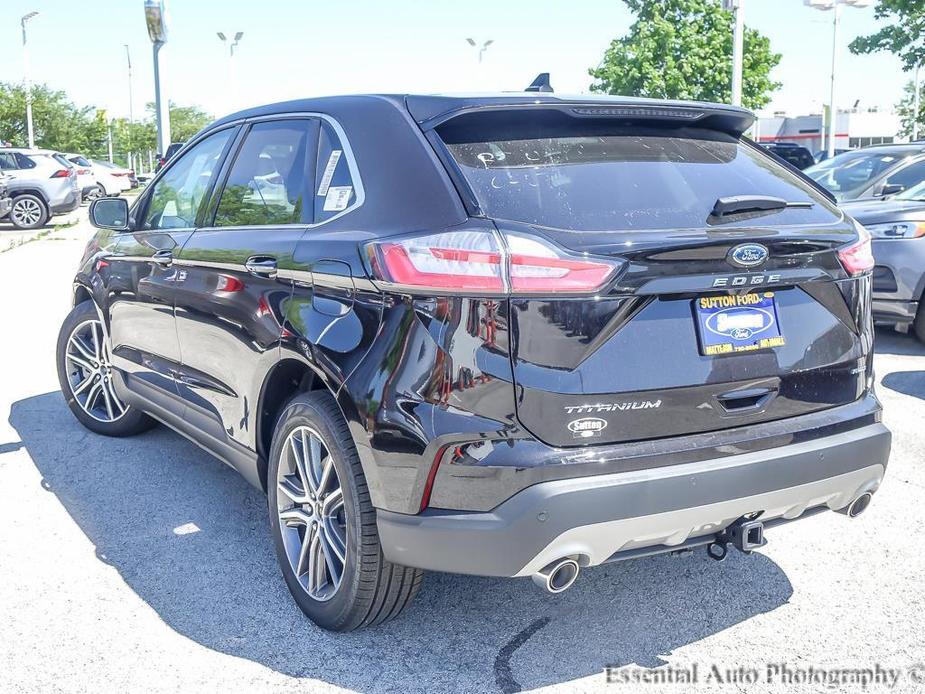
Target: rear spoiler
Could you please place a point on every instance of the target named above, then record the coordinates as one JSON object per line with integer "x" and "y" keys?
{"x": 433, "y": 111}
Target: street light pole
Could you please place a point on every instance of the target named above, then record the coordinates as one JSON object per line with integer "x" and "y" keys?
{"x": 156, "y": 19}
{"x": 737, "y": 7}
{"x": 131, "y": 99}
{"x": 131, "y": 102}
{"x": 833, "y": 110}
{"x": 232, "y": 78}
{"x": 835, "y": 5}
{"x": 27, "y": 80}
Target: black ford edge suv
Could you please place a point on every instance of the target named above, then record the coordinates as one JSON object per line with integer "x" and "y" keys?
{"x": 514, "y": 335}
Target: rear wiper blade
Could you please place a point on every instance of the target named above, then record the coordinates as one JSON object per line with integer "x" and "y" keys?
{"x": 739, "y": 204}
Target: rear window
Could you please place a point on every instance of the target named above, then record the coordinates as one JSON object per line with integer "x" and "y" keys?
{"x": 625, "y": 178}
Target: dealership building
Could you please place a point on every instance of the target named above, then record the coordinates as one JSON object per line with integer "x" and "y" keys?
{"x": 853, "y": 128}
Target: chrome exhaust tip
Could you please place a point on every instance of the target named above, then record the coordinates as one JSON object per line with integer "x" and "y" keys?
{"x": 858, "y": 506}
{"x": 557, "y": 576}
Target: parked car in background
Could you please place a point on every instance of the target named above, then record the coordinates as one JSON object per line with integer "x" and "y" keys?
{"x": 126, "y": 176}
{"x": 103, "y": 182}
{"x": 6, "y": 202}
{"x": 40, "y": 185}
{"x": 877, "y": 171}
{"x": 823, "y": 154}
{"x": 172, "y": 149}
{"x": 897, "y": 226}
{"x": 791, "y": 152}
{"x": 85, "y": 181}
{"x": 478, "y": 358}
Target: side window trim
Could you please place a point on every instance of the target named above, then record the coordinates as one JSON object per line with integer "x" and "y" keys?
{"x": 359, "y": 190}
{"x": 228, "y": 164}
{"x": 140, "y": 210}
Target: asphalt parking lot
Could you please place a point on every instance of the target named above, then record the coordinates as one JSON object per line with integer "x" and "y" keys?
{"x": 145, "y": 564}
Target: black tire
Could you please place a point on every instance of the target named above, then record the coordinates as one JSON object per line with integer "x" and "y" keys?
{"x": 95, "y": 193}
{"x": 372, "y": 590}
{"x": 28, "y": 212}
{"x": 131, "y": 421}
{"x": 918, "y": 325}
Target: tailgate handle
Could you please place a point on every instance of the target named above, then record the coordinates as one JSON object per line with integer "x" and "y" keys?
{"x": 747, "y": 401}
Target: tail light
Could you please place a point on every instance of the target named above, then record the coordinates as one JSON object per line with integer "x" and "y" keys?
{"x": 484, "y": 262}
{"x": 62, "y": 173}
{"x": 857, "y": 258}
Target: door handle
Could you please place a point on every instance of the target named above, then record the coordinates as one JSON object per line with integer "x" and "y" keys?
{"x": 261, "y": 266}
{"x": 163, "y": 258}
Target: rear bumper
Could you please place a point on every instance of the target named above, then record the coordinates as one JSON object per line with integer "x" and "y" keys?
{"x": 597, "y": 518}
{"x": 70, "y": 202}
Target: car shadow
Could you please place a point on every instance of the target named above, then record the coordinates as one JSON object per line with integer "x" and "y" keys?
{"x": 191, "y": 538}
{"x": 888, "y": 341}
{"x": 906, "y": 382}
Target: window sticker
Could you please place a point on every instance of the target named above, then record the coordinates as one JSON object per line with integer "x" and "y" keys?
{"x": 337, "y": 198}
{"x": 329, "y": 173}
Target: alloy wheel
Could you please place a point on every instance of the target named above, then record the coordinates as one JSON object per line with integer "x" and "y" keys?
{"x": 89, "y": 373}
{"x": 312, "y": 516}
{"x": 26, "y": 212}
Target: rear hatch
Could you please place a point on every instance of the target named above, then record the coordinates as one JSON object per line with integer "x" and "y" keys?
{"x": 729, "y": 304}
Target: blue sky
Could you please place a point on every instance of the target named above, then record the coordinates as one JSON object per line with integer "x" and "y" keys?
{"x": 294, "y": 48}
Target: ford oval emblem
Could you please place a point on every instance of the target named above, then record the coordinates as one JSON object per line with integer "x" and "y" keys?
{"x": 747, "y": 255}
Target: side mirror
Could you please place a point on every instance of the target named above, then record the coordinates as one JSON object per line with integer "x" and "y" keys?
{"x": 891, "y": 189}
{"x": 109, "y": 213}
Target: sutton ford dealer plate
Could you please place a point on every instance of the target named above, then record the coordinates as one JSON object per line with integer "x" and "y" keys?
{"x": 728, "y": 324}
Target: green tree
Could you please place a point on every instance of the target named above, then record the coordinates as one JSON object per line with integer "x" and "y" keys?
{"x": 905, "y": 110}
{"x": 682, "y": 49}
{"x": 57, "y": 122}
{"x": 185, "y": 121}
{"x": 904, "y": 36}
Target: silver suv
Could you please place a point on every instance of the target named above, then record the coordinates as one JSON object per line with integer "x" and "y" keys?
{"x": 41, "y": 183}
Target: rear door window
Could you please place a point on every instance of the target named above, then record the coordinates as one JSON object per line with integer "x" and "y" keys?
{"x": 335, "y": 189}
{"x": 271, "y": 180}
{"x": 625, "y": 179}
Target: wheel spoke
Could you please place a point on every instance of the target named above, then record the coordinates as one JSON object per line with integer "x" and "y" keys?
{"x": 97, "y": 340}
{"x": 327, "y": 470}
{"x": 310, "y": 451}
{"x": 332, "y": 559}
{"x": 86, "y": 351}
{"x": 288, "y": 487}
{"x": 83, "y": 385}
{"x": 316, "y": 565}
{"x": 92, "y": 396}
{"x": 297, "y": 456}
{"x": 80, "y": 361}
{"x": 333, "y": 502}
{"x": 294, "y": 517}
{"x": 303, "y": 563}
{"x": 106, "y": 401}
{"x": 333, "y": 542}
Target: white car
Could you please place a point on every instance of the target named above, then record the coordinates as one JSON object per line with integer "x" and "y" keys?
{"x": 85, "y": 182}
{"x": 123, "y": 175}
{"x": 98, "y": 181}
